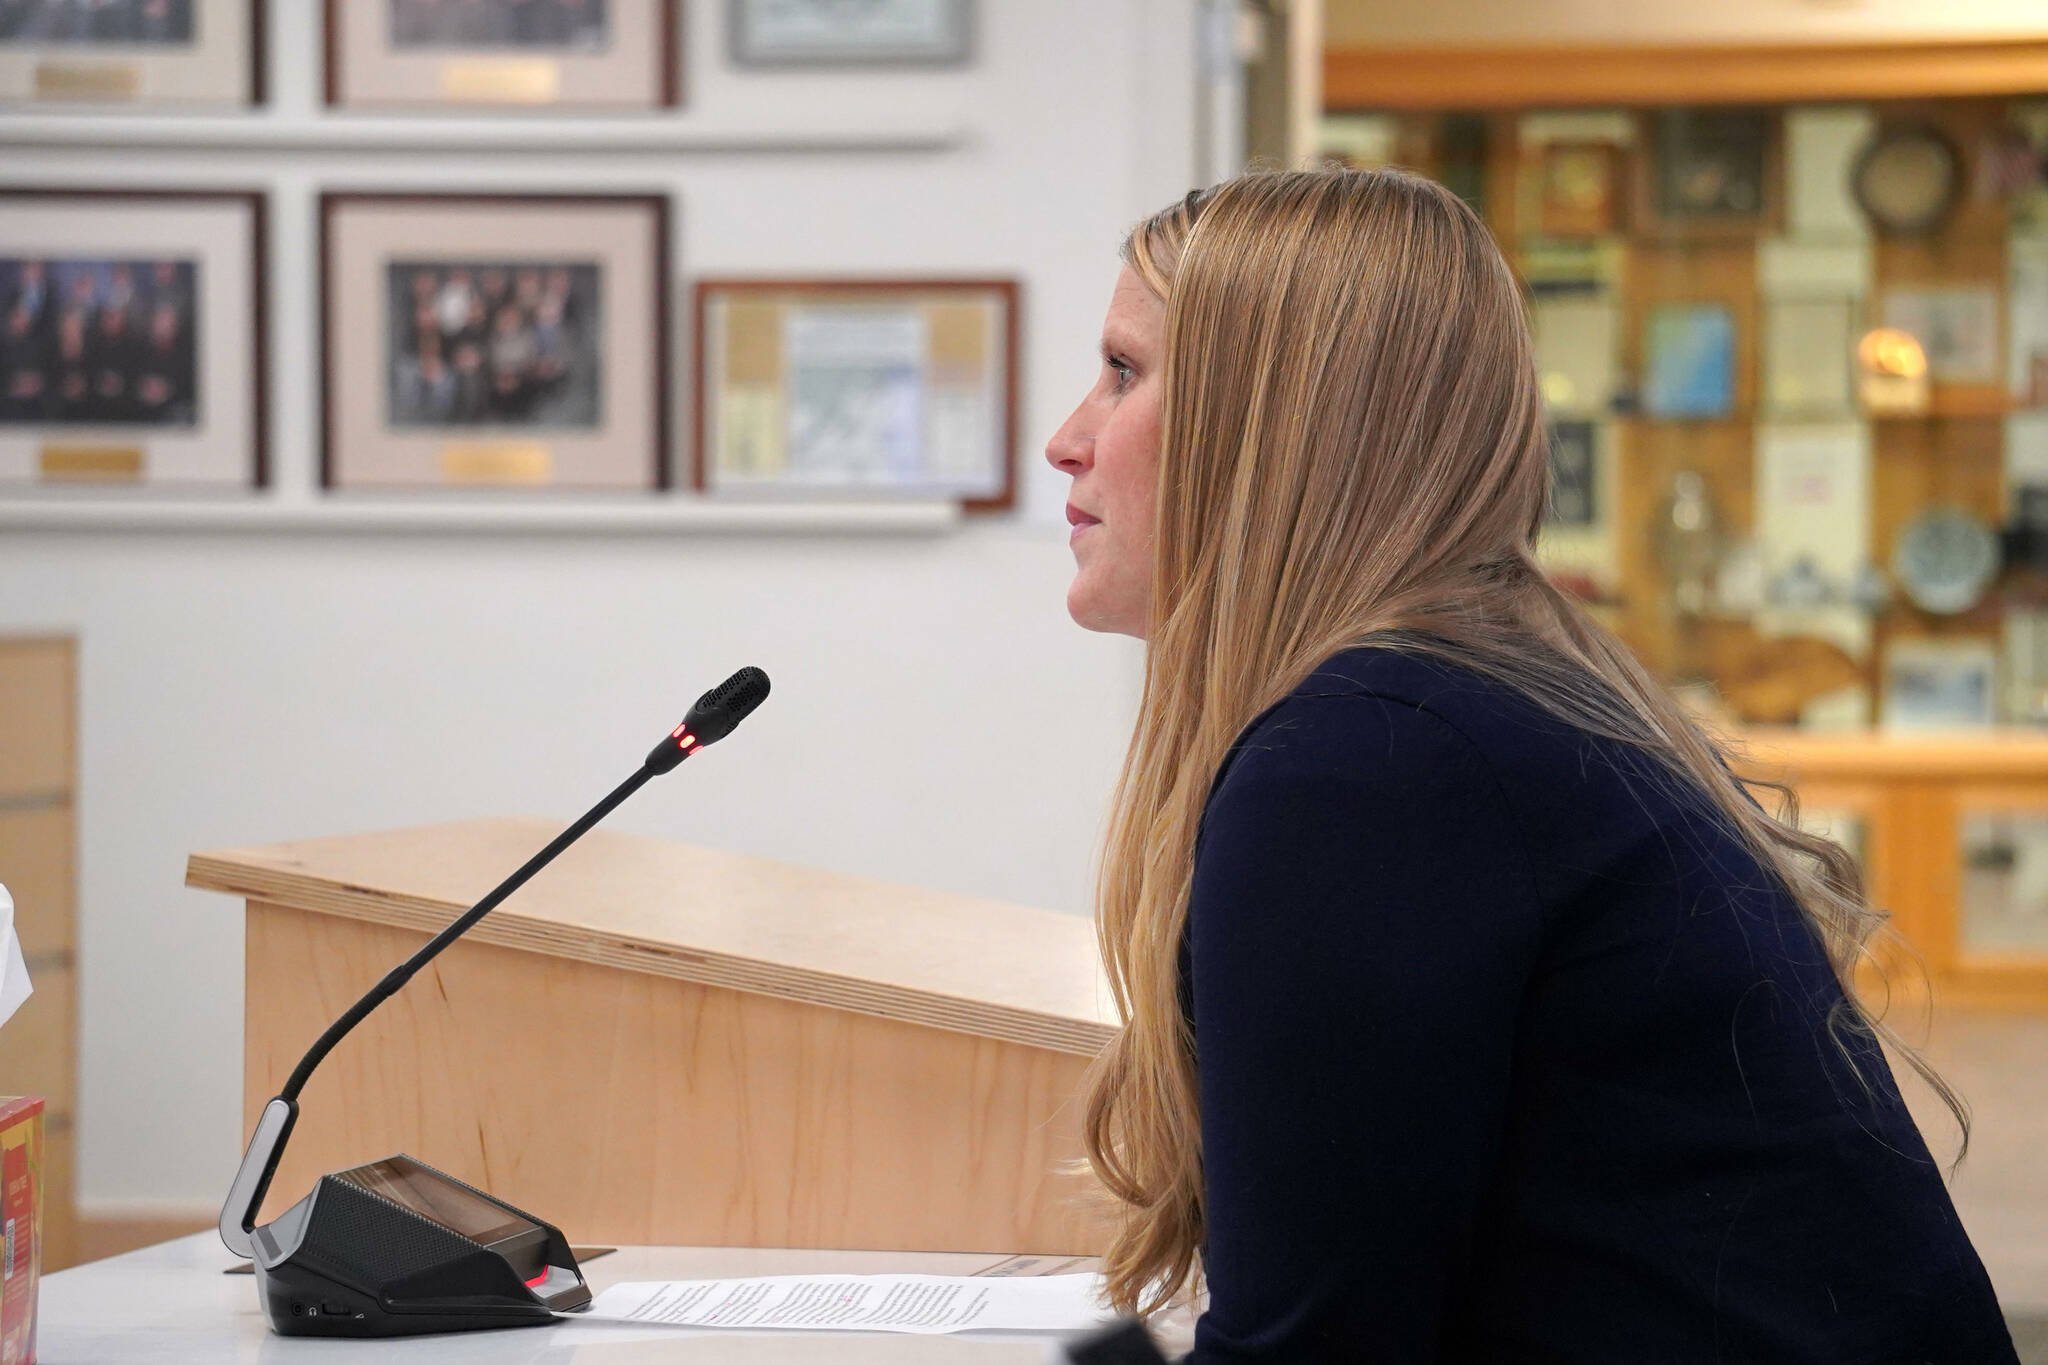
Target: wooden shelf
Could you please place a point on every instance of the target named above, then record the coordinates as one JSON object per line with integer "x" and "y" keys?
{"x": 510, "y": 134}
{"x": 1578, "y": 76}
{"x": 653, "y": 516}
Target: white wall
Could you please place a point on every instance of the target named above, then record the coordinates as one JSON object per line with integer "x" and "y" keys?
{"x": 936, "y": 718}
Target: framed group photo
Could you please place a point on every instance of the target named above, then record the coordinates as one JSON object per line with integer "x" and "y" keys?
{"x": 834, "y": 33}
{"x": 131, "y": 338}
{"x": 142, "y": 52}
{"x": 616, "y": 55}
{"x": 829, "y": 388}
{"x": 508, "y": 340}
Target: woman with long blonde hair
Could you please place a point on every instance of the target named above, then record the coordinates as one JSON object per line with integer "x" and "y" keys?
{"x": 1472, "y": 1009}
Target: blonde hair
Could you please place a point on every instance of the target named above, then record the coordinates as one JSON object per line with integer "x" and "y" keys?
{"x": 1353, "y": 450}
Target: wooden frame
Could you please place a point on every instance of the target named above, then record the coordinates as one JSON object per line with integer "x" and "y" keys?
{"x": 100, "y": 78}
{"x": 1577, "y": 76}
{"x": 1006, "y": 495}
{"x": 257, "y": 204}
{"x": 658, "y": 272}
{"x": 668, "y": 19}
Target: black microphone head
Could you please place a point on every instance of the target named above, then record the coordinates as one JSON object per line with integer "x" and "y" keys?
{"x": 726, "y": 705}
{"x": 712, "y": 718}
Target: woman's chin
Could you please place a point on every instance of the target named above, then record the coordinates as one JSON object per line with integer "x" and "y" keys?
{"x": 1091, "y": 611}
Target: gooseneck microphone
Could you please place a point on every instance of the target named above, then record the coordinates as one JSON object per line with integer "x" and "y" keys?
{"x": 710, "y": 719}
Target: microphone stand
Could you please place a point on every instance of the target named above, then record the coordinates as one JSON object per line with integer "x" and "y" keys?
{"x": 714, "y": 716}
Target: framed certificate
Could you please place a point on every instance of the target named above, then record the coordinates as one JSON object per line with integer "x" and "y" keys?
{"x": 834, "y": 33}
{"x": 136, "y": 52}
{"x": 131, "y": 338}
{"x": 509, "y": 340}
{"x": 587, "y": 54}
{"x": 867, "y": 388}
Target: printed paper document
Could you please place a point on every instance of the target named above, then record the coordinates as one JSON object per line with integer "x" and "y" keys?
{"x": 861, "y": 1303}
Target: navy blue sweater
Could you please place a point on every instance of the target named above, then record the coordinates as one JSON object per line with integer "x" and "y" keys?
{"x": 1510, "y": 1053}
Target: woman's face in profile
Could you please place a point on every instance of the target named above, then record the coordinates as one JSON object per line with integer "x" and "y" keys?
{"x": 1110, "y": 445}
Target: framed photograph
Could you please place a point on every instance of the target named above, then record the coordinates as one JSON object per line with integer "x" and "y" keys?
{"x": 1575, "y": 496}
{"x": 1939, "y": 683}
{"x": 834, "y": 33}
{"x": 1709, "y": 173}
{"x": 510, "y": 340}
{"x": 146, "y": 52}
{"x": 867, "y": 388}
{"x": 571, "y": 54}
{"x": 1689, "y": 361}
{"x": 131, "y": 338}
{"x": 1580, "y": 189}
{"x": 1956, "y": 326}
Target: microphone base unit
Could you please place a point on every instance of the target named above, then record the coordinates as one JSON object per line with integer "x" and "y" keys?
{"x": 397, "y": 1248}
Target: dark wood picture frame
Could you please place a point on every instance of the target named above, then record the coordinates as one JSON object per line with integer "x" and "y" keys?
{"x": 255, "y": 86}
{"x": 1652, "y": 218}
{"x": 669, "y": 18}
{"x": 737, "y": 54}
{"x": 257, "y": 202}
{"x": 1559, "y": 218}
{"x": 661, "y": 390}
{"x": 1008, "y": 289}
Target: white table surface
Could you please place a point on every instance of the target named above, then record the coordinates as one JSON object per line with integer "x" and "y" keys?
{"x": 172, "y": 1303}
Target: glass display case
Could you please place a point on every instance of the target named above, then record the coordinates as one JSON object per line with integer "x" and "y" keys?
{"x": 1796, "y": 359}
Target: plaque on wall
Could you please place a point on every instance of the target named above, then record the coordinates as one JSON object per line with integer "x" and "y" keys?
{"x": 572, "y": 54}
{"x": 834, "y": 33}
{"x": 877, "y": 389}
{"x": 510, "y": 340}
{"x": 1580, "y": 189}
{"x": 132, "y": 52}
{"x": 131, "y": 336}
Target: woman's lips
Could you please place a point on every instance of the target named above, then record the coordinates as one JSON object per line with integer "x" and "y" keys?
{"x": 1080, "y": 521}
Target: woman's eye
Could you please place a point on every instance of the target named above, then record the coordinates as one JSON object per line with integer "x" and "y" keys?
{"x": 1123, "y": 371}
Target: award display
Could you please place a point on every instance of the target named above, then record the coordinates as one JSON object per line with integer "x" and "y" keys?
{"x": 131, "y": 338}
{"x": 881, "y": 389}
{"x": 834, "y": 33}
{"x": 494, "y": 340}
{"x": 587, "y": 54}
{"x": 132, "y": 52}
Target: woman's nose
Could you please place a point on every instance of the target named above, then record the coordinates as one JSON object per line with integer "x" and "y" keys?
{"x": 1071, "y": 449}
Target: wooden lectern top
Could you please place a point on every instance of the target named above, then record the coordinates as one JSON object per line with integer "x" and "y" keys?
{"x": 979, "y": 967}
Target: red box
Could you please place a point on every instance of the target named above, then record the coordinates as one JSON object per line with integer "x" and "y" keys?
{"x": 21, "y": 1205}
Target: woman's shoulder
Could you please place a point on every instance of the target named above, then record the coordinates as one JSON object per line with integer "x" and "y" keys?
{"x": 1442, "y": 734}
{"x": 1375, "y": 708}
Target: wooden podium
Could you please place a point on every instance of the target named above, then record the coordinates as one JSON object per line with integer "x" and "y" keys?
{"x": 652, "y": 1043}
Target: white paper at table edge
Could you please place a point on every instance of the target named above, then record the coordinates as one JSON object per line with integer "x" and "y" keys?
{"x": 15, "y": 986}
{"x": 1099, "y": 1314}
